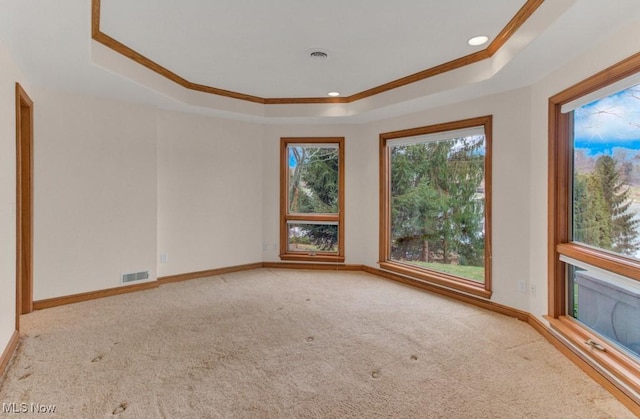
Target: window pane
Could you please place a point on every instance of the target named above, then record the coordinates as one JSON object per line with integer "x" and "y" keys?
{"x": 437, "y": 205}
{"x": 313, "y": 179}
{"x": 607, "y": 304}
{"x": 312, "y": 238}
{"x": 606, "y": 173}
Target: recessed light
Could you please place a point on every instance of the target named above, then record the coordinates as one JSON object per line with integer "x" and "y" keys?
{"x": 333, "y": 94}
{"x": 478, "y": 40}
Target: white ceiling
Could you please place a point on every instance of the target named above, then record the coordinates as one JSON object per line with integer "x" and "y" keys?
{"x": 258, "y": 47}
{"x": 261, "y": 47}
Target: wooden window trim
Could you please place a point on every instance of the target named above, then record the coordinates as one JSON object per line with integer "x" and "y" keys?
{"x": 435, "y": 277}
{"x": 620, "y": 265}
{"x": 611, "y": 359}
{"x": 427, "y": 275}
{"x": 285, "y": 254}
{"x": 618, "y": 363}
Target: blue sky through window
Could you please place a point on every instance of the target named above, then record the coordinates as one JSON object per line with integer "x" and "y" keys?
{"x": 608, "y": 127}
{"x": 609, "y": 123}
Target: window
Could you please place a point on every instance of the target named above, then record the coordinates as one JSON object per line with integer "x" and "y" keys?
{"x": 594, "y": 219}
{"x": 435, "y": 185}
{"x": 312, "y": 199}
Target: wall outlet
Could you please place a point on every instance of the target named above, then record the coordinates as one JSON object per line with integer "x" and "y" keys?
{"x": 522, "y": 286}
{"x": 532, "y": 289}
{"x": 164, "y": 258}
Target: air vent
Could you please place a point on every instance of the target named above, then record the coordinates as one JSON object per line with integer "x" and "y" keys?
{"x": 318, "y": 54}
{"x": 135, "y": 276}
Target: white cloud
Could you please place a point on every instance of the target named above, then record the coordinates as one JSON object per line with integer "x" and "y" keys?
{"x": 613, "y": 118}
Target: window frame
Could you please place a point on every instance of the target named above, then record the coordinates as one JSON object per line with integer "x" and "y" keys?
{"x": 424, "y": 274}
{"x": 616, "y": 363}
{"x": 286, "y": 216}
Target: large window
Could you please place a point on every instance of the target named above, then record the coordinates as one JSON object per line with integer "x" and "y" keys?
{"x": 436, "y": 203}
{"x": 594, "y": 219}
{"x": 312, "y": 199}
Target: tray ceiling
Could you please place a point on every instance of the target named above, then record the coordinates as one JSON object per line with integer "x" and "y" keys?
{"x": 260, "y": 49}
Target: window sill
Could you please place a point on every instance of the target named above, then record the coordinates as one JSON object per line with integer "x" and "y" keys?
{"x": 607, "y": 356}
{"x": 437, "y": 278}
{"x": 310, "y": 258}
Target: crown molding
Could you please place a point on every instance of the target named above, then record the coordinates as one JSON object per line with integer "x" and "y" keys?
{"x": 511, "y": 28}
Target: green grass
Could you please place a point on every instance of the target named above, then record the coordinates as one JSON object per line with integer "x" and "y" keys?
{"x": 308, "y": 247}
{"x": 474, "y": 273}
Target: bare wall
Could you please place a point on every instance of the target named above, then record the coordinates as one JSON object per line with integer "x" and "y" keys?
{"x": 9, "y": 75}
{"x": 209, "y": 193}
{"x": 95, "y": 193}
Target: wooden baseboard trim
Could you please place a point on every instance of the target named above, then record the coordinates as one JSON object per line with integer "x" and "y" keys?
{"x": 92, "y": 295}
{"x": 446, "y": 292}
{"x": 9, "y": 351}
{"x": 313, "y": 266}
{"x": 210, "y": 272}
{"x": 581, "y": 362}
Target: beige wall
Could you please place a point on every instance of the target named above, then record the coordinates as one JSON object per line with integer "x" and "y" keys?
{"x": 9, "y": 75}
{"x": 116, "y": 185}
{"x": 95, "y": 193}
{"x": 209, "y": 193}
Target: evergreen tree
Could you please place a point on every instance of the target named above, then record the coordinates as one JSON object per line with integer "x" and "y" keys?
{"x": 591, "y": 217}
{"x": 313, "y": 188}
{"x": 413, "y": 201}
{"x": 602, "y": 216}
{"x": 616, "y": 194}
{"x": 433, "y": 205}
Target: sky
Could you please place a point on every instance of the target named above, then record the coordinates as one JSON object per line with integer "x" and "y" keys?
{"x": 614, "y": 119}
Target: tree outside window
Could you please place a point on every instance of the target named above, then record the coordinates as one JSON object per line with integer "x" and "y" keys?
{"x": 436, "y": 201}
{"x": 312, "y": 199}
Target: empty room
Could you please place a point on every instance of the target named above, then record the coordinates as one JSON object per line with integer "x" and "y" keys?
{"x": 293, "y": 208}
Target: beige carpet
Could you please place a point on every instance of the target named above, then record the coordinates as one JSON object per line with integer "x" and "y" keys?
{"x": 283, "y": 343}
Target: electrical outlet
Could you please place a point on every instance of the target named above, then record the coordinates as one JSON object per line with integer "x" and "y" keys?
{"x": 164, "y": 258}
{"x": 532, "y": 289}
{"x": 522, "y": 286}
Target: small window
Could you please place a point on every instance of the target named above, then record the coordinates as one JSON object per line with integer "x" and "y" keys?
{"x": 436, "y": 204}
{"x": 312, "y": 199}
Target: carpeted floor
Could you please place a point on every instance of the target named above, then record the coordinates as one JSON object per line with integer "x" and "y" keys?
{"x": 284, "y": 343}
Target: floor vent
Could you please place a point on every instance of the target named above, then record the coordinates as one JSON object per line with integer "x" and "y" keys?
{"x": 135, "y": 276}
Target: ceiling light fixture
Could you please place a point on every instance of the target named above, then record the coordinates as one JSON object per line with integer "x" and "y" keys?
{"x": 333, "y": 94}
{"x": 478, "y": 40}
